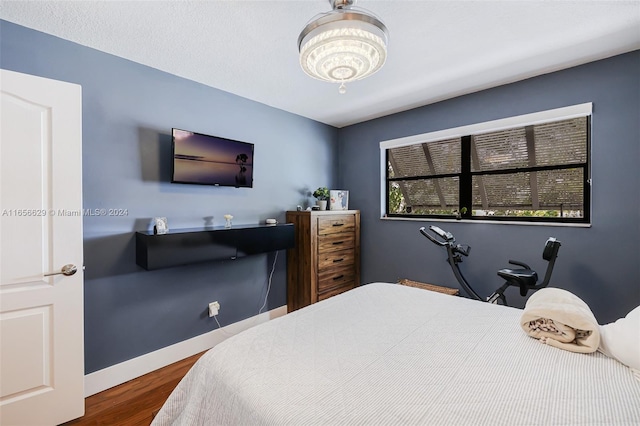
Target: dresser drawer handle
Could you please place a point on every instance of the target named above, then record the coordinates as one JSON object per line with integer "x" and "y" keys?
{"x": 335, "y": 243}
{"x": 338, "y": 277}
{"x": 338, "y": 260}
{"x": 338, "y": 224}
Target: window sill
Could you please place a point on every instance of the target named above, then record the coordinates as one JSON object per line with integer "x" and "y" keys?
{"x": 489, "y": 222}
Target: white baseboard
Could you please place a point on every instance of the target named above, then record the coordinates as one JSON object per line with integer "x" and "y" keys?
{"x": 120, "y": 373}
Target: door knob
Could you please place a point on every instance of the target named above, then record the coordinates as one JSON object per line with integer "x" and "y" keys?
{"x": 66, "y": 270}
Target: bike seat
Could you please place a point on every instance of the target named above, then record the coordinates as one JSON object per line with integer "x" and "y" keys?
{"x": 523, "y": 278}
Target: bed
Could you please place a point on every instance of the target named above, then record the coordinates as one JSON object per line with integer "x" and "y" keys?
{"x": 391, "y": 354}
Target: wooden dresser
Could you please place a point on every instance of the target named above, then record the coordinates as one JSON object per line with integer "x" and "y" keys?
{"x": 326, "y": 258}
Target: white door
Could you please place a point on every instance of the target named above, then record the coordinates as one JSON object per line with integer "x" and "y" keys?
{"x": 41, "y": 317}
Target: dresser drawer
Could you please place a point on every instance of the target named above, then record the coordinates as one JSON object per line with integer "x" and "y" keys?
{"x": 335, "y": 277}
{"x": 336, "y": 291}
{"x": 333, "y": 242}
{"x": 336, "y": 223}
{"x": 335, "y": 259}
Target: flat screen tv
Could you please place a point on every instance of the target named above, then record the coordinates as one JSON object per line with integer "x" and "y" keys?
{"x": 210, "y": 160}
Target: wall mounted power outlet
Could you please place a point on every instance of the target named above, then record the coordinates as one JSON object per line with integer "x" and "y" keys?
{"x": 214, "y": 307}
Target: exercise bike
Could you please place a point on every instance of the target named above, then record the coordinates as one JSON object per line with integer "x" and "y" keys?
{"x": 524, "y": 277}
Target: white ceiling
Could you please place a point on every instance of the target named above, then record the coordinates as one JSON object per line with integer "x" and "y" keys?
{"x": 438, "y": 49}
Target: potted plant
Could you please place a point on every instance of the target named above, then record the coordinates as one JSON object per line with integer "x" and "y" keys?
{"x": 460, "y": 213}
{"x": 322, "y": 195}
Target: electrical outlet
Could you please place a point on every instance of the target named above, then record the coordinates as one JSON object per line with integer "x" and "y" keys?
{"x": 214, "y": 307}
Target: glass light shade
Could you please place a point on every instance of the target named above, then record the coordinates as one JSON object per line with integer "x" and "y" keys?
{"x": 343, "y": 46}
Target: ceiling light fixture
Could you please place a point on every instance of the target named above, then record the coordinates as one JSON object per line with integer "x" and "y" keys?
{"x": 343, "y": 45}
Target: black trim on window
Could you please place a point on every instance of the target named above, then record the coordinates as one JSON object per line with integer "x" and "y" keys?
{"x": 466, "y": 184}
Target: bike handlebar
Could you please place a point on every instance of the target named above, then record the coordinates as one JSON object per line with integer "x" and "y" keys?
{"x": 446, "y": 239}
{"x": 432, "y": 239}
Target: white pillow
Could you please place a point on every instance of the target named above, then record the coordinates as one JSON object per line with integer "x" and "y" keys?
{"x": 621, "y": 339}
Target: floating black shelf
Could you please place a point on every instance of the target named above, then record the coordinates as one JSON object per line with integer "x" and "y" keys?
{"x": 186, "y": 246}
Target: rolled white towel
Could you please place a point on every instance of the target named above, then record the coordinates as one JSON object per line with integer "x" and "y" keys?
{"x": 575, "y": 327}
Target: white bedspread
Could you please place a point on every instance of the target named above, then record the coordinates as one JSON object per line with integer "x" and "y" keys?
{"x": 392, "y": 354}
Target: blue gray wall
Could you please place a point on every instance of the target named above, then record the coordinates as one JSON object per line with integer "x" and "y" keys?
{"x": 601, "y": 264}
{"x": 128, "y": 112}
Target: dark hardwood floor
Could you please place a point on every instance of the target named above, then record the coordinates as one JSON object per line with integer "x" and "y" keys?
{"x": 135, "y": 402}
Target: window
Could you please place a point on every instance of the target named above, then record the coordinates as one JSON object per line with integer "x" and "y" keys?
{"x": 528, "y": 168}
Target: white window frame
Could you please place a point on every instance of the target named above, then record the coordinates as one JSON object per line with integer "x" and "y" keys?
{"x": 558, "y": 114}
